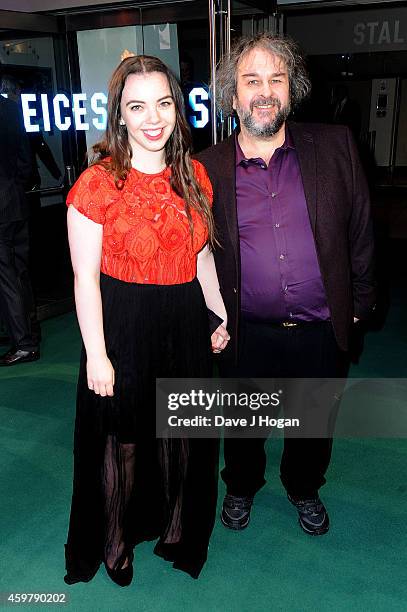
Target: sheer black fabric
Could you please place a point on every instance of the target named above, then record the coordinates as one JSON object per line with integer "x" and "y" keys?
{"x": 129, "y": 486}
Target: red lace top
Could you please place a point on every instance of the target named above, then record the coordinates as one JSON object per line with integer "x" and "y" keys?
{"x": 146, "y": 235}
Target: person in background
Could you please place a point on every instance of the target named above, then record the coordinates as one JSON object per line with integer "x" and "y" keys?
{"x": 15, "y": 285}
{"x": 39, "y": 150}
{"x": 140, "y": 233}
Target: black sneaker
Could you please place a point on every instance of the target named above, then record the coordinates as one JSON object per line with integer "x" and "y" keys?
{"x": 236, "y": 511}
{"x": 312, "y": 515}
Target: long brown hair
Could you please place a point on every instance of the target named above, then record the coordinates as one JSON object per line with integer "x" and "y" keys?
{"x": 178, "y": 147}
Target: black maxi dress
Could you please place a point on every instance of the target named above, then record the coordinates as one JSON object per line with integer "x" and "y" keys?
{"x": 130, "y": 486}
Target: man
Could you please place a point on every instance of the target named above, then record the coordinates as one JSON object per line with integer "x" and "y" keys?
{"x": 295, "y": 265}
{"x": 15, "y": 287}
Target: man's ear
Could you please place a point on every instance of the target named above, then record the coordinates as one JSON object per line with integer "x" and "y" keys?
{"x": 234, "y": 102}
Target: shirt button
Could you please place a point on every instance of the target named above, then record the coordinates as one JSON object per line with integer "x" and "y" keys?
{"x": 286, "y": 288}
{"x": 273, "y": 195}
{"x": 282, "y": 256}
{"x": 291, "y": 315}
{"x": 277, "y": 225}
{"x": 234, "y": 290}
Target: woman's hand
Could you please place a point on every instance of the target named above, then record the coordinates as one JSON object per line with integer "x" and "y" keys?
{"x": 219, "y": 339}
{"x": 100, "y": 375}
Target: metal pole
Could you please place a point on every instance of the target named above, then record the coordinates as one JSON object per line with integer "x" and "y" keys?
{"x": 394, "y": 129}
{"x": 222, "y": 16}
{"x": 212, "y": 55}
{"x": 227, "y": 50}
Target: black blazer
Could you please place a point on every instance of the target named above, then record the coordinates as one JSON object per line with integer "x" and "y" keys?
{"x": 15, "y": 163}
{"x": 339, "y": 210}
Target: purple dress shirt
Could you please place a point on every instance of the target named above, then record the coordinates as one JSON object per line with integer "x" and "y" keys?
{"x": 281, "y": 279}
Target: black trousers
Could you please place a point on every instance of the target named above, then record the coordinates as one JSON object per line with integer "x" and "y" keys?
{"x": 16, "y": 296}
{"x": 268, "y": 351}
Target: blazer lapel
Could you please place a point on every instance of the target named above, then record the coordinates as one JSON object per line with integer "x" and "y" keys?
{"x": 227, "y": 162}
{"x": 305, "y": 147}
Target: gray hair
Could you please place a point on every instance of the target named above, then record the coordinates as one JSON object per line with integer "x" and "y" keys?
{"x": 282, "y": 47}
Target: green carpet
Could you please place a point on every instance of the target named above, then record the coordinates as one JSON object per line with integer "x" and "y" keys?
{"x": 360, "y": 565}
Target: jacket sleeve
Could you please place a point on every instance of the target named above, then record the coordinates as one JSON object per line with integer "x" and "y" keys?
{"x": 361, "y": 240}
{"x": 45, "y": 154}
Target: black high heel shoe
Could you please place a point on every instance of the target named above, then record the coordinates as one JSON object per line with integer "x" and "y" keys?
{"x": 121, "y": 575}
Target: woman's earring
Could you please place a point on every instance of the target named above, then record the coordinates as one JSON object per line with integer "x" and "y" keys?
{"x": 121, "y": 123}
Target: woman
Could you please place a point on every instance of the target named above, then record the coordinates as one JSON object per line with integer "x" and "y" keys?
{"x": 139, "y": 221}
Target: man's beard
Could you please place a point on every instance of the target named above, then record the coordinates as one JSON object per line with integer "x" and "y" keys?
{"x": 263, "y": 129}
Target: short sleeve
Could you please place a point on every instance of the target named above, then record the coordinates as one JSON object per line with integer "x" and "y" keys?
{"x": 92, "y": 193}
{"x": 203, "y": 180}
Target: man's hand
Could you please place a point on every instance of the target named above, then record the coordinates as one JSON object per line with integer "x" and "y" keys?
{"x": 219, "y": 339}
{"x": 100, "y": 375}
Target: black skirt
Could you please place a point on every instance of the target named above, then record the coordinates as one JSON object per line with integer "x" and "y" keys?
{"x": 128, "y": 485}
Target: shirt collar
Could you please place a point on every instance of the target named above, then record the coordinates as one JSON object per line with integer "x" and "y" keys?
{"x": 240, "y": 157}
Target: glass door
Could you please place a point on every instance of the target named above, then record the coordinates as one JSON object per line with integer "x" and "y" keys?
{"x": 177, "y": 34}
{"x": 34, "y": 73}
{"x": 188, "y": 35}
